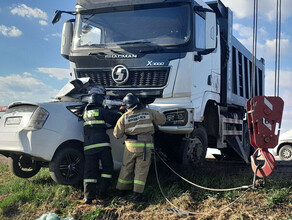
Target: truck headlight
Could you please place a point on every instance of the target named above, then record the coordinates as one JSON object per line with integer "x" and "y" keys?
{"x": 38, "y": 119}
{"x": 176, "y": 117}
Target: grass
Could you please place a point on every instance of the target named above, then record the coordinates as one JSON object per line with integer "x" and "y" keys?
{"x": 30, "y": 198}
{"x": 37, "y": 191}
{"x": 276, "y": 196}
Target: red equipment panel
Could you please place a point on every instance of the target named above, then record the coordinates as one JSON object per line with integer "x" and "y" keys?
{"x": 264, "y": 116}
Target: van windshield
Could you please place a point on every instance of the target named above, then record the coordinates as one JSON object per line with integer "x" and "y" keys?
{"x": 168, "y": 26}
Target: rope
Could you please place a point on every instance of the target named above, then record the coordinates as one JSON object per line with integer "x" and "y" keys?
{"x": 254, "y": 49}
{"x": 177, "y": 209}
{"x": 276, "y": 50}
{"x": 280, "y": 14}
{"x": 278, "y": 45}
{"x": 202, "y": 187}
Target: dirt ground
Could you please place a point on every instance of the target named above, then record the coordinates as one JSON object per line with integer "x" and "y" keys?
{"x": 3, "y": 160}
{"x": 283, "y": 168}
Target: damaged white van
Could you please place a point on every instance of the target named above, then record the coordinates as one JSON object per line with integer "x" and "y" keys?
{"x": 35, "y": 135}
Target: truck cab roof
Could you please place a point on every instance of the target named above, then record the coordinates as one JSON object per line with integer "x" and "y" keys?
{"x": 82, "y": 5}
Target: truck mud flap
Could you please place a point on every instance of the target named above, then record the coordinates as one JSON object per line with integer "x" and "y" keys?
{"x": 236, "y": 144}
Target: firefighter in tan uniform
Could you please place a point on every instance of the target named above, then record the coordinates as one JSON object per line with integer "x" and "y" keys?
{"x": 138, "y": 126}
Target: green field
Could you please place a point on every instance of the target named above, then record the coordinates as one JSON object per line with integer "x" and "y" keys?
{"x": 31, "y": 198}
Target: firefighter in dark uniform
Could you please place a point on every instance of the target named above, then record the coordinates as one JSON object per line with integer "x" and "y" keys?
{"x": 138, "y": 126}
{"x": 97, "y": 147}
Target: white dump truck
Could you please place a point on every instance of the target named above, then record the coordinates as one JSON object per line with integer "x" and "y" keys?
{"x": 178, "y": 56}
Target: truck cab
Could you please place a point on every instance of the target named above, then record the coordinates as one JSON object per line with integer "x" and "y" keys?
{"x": 179, "y": 57}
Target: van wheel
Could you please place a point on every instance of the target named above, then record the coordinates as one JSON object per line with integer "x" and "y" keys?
{"x": 195, "y": 149}
{"x": 67, "y": 166}
{"x": 285, "y": 153}
{"x": 23, "y": 166}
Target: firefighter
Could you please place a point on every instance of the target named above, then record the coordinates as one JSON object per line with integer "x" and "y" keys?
{"x": 138, "y": 126}
{"x": 97, "y": 146}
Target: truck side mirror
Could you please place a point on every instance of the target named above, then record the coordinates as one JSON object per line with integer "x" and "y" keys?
{"x": 57, "y": 16}
{"x": 210, "y": 31}
{"x": 67, "y": 34}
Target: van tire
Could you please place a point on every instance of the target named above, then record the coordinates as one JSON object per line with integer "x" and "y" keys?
{"x": 23, "y": 166}
{"x": 67, "y": 166}
{"x": 285, "y": 153}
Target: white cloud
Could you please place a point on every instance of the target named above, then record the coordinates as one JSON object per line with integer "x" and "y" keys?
{"x": 265, "y": 47}
{"x": 247, "y": 32}
{"x": 27, "y": 74}
{"x": 267, "y": 8}
{"x": 23, "y": 87}
{"x": 240, "y": 8}
{"x": 49, "y": 36}
{"x": 286, "y": 119}
{"x": 57, "y": 35}
{"x": 43, "y": 23}
{"x": 10, "y": 31}
{"x": 285, "y": 80}
{"x": 243, "y": 31}
{"x": 25, "y": 11}
{"x": 285, "y": 94}
{"x": 59, "y": 73}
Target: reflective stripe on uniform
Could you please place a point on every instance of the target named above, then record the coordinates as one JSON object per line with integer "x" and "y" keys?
{"x": 125, "y": 181}
{"x": 97, "y": 145}
{"x": 139, "y": 182}
{"x": 93, "y": 122}
{"x": 106, "y": 175}
{"x": 139, "y": 126}
{"x": 134, "y": 144}
{"x": 91, "y": 113}
{"x": 90, "y": 180}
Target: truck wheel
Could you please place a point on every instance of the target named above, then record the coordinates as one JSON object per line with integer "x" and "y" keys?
{"x": 285, "y": 153}
{"x": 246, "y": 142}
{"x": 67, "y": 166}
{"x": 23, "y": 166}
{"x": 195, "y": 149}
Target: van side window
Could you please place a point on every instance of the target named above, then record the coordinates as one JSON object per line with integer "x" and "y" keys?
{"x": 200, "y": 32}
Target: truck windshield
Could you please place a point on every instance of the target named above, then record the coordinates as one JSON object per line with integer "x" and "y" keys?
{"x": 156, "y": 26}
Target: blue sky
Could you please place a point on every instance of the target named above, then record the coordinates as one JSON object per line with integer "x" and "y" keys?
{"x": 32, "y": 69}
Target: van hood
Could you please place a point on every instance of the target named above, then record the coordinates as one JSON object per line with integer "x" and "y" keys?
{"x": 75, "y": 88}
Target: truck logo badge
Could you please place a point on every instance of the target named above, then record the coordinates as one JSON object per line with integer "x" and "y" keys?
{"x": 120, "y": 74}
{"x": 151, "y": 63}
{"x": 120, "y": 56}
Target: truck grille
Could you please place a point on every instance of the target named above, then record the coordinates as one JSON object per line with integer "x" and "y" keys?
{"x": 138, "y": 77}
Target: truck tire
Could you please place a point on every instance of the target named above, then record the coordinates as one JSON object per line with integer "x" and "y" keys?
{"x": 23, "y": 166}
{"x": 67, "y": 166}
{"x": 247, "y": 147}
{"x": 285, "y": 153}
{"x": 194, "y": 150}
